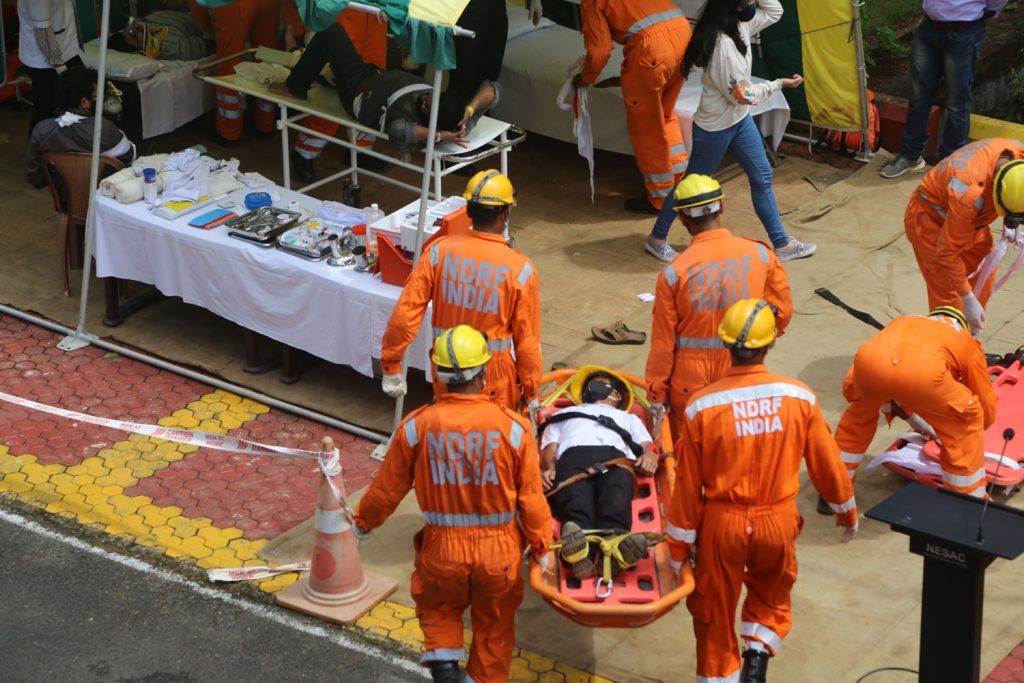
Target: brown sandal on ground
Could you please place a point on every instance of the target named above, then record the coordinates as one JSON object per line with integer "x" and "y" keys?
{"x": 618, "y": 333}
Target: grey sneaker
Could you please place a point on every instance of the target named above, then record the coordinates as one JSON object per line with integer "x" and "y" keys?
{"x": 662, "y": 252}
{"x": 794, "y": 250}
{"x": 897, "y": 166}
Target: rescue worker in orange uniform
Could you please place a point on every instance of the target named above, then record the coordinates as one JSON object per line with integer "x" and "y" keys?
{"x": 654, "y": 35}
{"x": 478, "y": 279}
{"x": 735, "y": 498}
{"x": 947, "y": 222}
{"x": 369, "y": 34}
{"x": 932, "y": 368}
{"x": 256, "y": 22}
{"x": 474, "y": 465}
{"x": 693, "y": 292}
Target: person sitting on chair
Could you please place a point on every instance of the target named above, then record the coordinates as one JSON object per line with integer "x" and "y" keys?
{"x": 588, "y": 452}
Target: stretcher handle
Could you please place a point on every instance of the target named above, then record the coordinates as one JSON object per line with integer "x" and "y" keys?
{"x": 489, "y": 149}
{"x": 206, "y": 66}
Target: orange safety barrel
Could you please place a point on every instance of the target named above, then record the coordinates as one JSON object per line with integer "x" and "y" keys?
{"x": 646, "y": 592}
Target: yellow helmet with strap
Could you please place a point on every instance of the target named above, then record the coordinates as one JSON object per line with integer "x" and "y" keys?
{"x": 460, "y": 354}
{"x": 577, "y": 387}
{"x": 698, "y": 195}
{"x": 1008, "y": 190}
{"x": 748, "y": 324}
{"x": 950, "y": 312}
{"x": 490, "y": 188}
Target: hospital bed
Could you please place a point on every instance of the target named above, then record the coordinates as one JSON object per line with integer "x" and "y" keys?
{"x": 488, "y": 138}
{"x": 170, "y": 97}
{"x": 537, "y": 62}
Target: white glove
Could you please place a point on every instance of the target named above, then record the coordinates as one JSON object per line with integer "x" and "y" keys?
{"x": 536, "y": 11}
{"x": 850, "y": 532}
{"x": 360, "y": 533}
{"x": 656, "y": 411}
{"x": 544, "y": 561}
{"x": 918, "y": 423}
{"x": 974, "y": 313}
{"x": 394, "y": 386}
{"x": 534, "y": 407}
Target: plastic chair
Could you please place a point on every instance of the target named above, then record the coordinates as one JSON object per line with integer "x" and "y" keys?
{"x": 67, "y": 174}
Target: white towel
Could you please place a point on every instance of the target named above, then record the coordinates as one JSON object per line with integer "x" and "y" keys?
{"x": 124, "y": 186}
{"x": 581, "y": 118}
{"x": 152, "y": 161}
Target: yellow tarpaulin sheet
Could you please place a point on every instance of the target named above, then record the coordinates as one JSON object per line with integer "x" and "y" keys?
{"x": 443, "y": 12}
{"x": 830, "y": 63}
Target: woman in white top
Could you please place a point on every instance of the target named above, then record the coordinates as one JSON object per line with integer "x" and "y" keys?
{"x": 721, "y": 46}
{"x": 47, "y": 43}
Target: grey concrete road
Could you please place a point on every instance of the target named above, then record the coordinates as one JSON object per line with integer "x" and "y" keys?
{"x": 72, "y": 613}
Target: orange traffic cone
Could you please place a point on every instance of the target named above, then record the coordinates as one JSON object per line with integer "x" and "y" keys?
{"x": 337, "y": 589}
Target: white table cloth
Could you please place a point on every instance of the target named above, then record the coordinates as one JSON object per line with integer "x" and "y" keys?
{"x": 334, "y": 313}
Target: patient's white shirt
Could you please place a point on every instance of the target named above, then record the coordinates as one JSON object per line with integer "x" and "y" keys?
{"x": 584, "y": 432}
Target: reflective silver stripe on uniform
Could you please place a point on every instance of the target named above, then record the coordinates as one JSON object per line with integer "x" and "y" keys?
{"x": 524, "y": 274}
{"x": 938, "y": 209}
{"x": 499, "y": 344}
{"x": 761, "y": 252}
{"x": 750, "y": 629}
{"x": 311, "y": 141}
{"x": 963, "y": 480}
{"x": 671, "y": 276}
{"x": 468, "y": 679}
{"x": 731, "y": 678}
{"x": 664, "y": 192}
{"x": 330, "y": 522}
{"x": 515, "y": 434}
{"x": 438, "y": 331}
{"x": 681, "y": 535}
{"x": 467, "y": 519}
{"x": 680, "y": 167}
{"x": 699, "y": 343}
{"x": 410, "y": 432}
{"x": 721, "y": 398}
{"x": 435, "y": 255}
{"x": 265, "y": 105}
{"x": 958, "y": 185}
{"x": 229, "y": 113}
{"x": 851, "y": 458}
{"x": 657, "y": 177}
{"x": 442, "y": 655}
{"x": 227, "y": 98}
{"x": 844, "y": 507}
{"x": 677, "y": 149}
{"x": 650, "y": 21}
{"x": 979, "y": 203}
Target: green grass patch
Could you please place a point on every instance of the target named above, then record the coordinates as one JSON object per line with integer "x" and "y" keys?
{"x": 885, "y": 22}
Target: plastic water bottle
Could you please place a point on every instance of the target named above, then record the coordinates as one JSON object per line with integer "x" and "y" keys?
{"x": 149, "y": 185}
{"x": 372, "y": 215}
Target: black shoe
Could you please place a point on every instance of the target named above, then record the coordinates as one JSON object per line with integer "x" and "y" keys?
{"x": 755, "y": 666}
{"x": 302, "y": 168}
{"x": 214, "y": 135}
{"x": 641, "y": 204}
{"x": 445, "y": 672}
{"x": 823, "y": 507}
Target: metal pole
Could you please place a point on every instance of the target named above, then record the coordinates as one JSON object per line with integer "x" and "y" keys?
{"x": 199, "y": 377}
{"x": 428, "y": 163}
{"x": 862, "y": 80}
{"x": 286, "y": 161}
{"x": 75, "y": 340}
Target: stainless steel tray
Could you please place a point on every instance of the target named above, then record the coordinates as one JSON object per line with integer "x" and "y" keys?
{"x": 262, "y": 226}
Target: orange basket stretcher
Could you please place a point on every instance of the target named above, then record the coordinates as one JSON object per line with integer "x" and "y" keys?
{"x": 639, "y": 595}
{"x": 1008, "y": 383}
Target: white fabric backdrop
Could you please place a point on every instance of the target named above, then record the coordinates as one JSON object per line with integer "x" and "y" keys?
{"x": 334, "y": 313}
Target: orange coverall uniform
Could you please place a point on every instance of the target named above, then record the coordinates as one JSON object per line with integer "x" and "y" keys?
{"x": 256, "y": 22}
{"x": 948, "y": 216}
{"x": 931, "y": 367}
{"x": 692, "y": 295}
{"x": 370, "y": 38}
{"x": 476, "y": 279}
{"x": 654, "y": 35}
{"x": 735, "y": 497}
{"x": 474, "y": 465}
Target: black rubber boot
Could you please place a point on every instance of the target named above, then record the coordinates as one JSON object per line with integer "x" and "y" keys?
{"x": 302, "y": 168}
{"x": 755, "y": 666}
{"x": 823, "y": 507}
{"x": 445, "y": 672}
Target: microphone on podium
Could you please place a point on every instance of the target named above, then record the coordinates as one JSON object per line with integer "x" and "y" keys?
{"x": 1008, "y": 435}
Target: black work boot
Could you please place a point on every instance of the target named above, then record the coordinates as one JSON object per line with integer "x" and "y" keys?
{"x": 302, "y": 167}
{"x": 755, "y": 666}
{"x": 445, "y": 672}
{"x": 823, "y": 507}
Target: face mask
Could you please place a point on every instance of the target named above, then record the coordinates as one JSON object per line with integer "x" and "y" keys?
{"x": 747, "y": 12}
{"x": 598, "y": 390}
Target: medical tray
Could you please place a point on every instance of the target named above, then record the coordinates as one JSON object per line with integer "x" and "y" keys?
{"x": 309, "y": 240}
{"x": 262, "y": 226}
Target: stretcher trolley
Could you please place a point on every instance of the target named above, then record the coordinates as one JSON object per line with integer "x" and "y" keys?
{"x": 1007, "y": 470}
{"x": 646, "y": 592}
{"x": 488, "y": 138}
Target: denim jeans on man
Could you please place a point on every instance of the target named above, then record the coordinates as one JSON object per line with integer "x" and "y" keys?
{"x": 940, "y": 49}
{"x": 744, "y": 141}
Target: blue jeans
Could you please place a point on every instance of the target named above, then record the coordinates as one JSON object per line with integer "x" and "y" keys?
{"x": 949, "y": 50}
{"x": 745, "y": 143}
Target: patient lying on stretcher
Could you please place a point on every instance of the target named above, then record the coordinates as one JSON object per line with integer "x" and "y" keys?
{"x": 394, "y": 102}
{"x": 589, "y": 453}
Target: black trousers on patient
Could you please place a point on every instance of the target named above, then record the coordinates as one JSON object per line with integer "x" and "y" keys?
{"x": 333, "y": 47}
{"x": 603, "y": 501}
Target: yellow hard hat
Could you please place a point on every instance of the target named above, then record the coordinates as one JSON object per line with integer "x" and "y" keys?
{"x": 460, "y": 353}
{"x": 583, "y": 375}
{"x": 1008, "y": 189}
{"x": 490, "y": 188}
{"x": 748, "y": 324}
{"x": 950, "y": 312}
{"x": 698, "y": 195}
